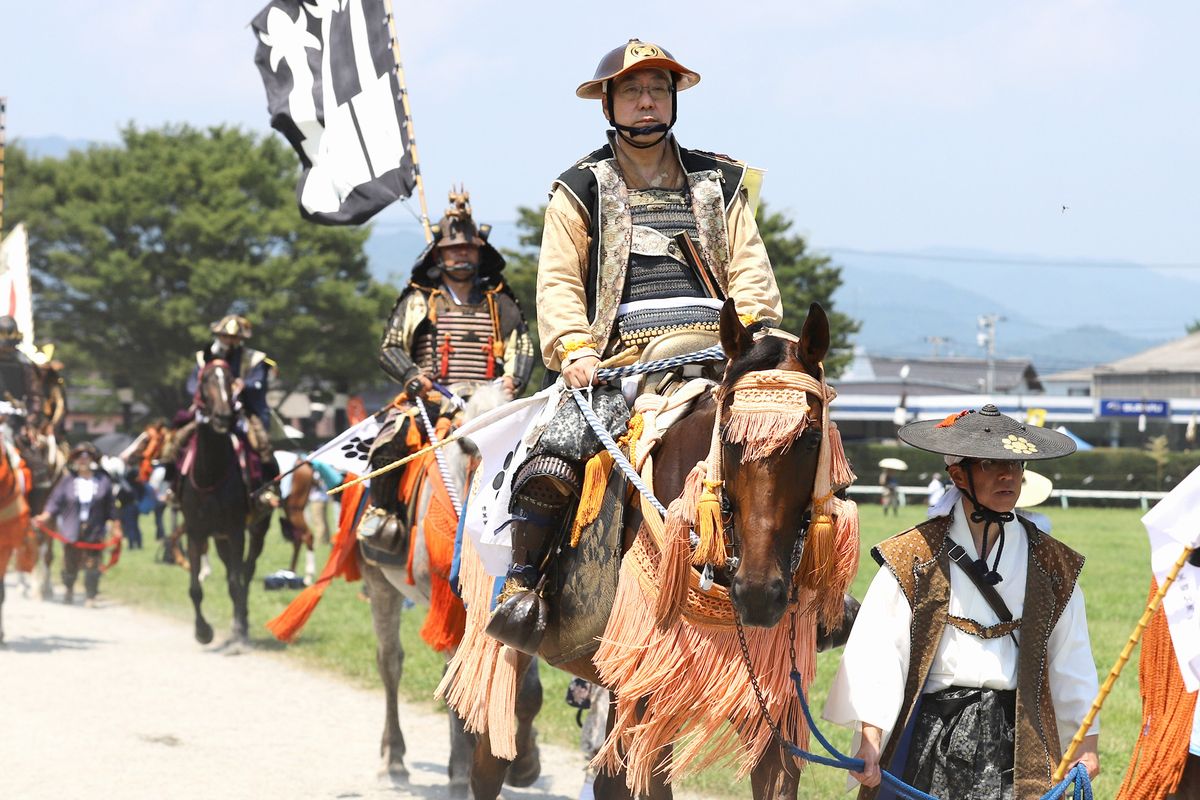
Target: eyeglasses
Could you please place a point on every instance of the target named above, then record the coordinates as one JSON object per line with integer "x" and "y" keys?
{"x": 632, "y": 92}
{"x": 998, "y": 466}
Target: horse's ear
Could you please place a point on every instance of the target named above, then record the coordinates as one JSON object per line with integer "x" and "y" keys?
{"x": 735, "y": 339}
{"x": 814, "y": 339}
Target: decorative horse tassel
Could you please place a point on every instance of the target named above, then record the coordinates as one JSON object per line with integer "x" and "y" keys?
{"x": 693, "y": 488}
{"x": 845, "y": 562}
{"x": 710, "y": 528}
{"x": 674, "y": 567}
{"x": 818, "y": 557}
{"x": 591, "y": 498}
{"x": 841, "y": 474}
{"x": 501, "y": 722}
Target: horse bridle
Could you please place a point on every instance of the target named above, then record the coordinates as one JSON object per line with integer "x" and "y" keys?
{"x": 733, "y": 560}
{"x": 202, "y": 414}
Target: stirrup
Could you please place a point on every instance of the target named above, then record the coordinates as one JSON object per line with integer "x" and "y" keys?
{"x": 520, "y": 620}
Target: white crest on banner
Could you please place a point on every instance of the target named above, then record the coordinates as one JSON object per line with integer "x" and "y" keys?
{"x": 1172, "y": 525}
{"x": 332, "y": 90}
{"x": 16, "y": 297}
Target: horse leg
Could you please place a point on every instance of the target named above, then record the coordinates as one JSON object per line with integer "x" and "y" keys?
{"x": 776, "y": 776}
{"x": 204, "y": 631}
{"x": 5, "y": 555}
{"x": 528, "y": 766}
{"x": 230, "y": 552}
{"x": 615, "y": 786}
{"x": 45, "y": 563}
{"x": 462, "y": 746}
{"x": 386, "y": 605}
{"x": 257, "y": 531}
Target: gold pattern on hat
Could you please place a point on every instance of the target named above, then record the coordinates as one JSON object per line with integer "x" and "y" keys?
{"x": 1018, "y": 444}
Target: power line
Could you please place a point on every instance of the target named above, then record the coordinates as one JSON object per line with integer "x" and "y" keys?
{"x": 1010, "y": 260}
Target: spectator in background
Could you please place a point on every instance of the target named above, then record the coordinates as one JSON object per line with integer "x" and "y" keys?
{"x": 937, "y": 489}
{"x": 889, "y": 496}
{"x": 80, "y": 507}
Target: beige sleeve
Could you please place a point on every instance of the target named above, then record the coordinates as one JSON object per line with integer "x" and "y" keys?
{"x": 561, "y": 294}
{"x": 751, "y": 279}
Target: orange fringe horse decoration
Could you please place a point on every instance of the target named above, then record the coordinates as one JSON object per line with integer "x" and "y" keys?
{"x": 670, "y": 650}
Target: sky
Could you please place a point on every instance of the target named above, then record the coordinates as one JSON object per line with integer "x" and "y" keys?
{"x": 883, "y": 126}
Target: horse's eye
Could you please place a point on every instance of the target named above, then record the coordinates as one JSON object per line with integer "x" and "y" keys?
{"x": 811, "y": 439}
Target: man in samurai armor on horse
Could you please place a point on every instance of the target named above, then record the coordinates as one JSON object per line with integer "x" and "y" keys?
{"x": 253, "y": 370}
{"x": 642, "y": 238}
{"x": 455, "y": 328}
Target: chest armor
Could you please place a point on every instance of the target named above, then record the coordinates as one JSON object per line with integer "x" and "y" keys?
{"x": 460, "y": 346}
{"x": 657, "y": 270}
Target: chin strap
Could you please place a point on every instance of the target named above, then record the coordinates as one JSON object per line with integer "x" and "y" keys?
{"x": 988, "y": 517}
{"x": 627, "y": 133}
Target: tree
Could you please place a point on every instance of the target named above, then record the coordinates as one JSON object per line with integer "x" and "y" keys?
{"x": 137, "y": 248}
{"x": 803, "y": 278}
{"x": 1193, "y": 326}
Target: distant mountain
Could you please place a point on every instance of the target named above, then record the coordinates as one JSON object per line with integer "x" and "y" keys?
{"x": 900, "y": 312}
{"x": 52, "y": 146}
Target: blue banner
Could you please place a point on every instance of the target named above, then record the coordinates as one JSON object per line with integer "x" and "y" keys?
{"x": 1134, "y": 408}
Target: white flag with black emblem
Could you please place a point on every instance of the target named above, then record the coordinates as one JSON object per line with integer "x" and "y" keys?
{"x": 348, "y": 451}
{"x": 332, "y": 90}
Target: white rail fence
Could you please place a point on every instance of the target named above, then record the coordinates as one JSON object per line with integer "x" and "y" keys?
{"x": 917, "y": 495}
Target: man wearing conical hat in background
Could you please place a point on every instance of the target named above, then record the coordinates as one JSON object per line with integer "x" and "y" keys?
{"x": 969, "y": 668}
{"x": 613, "y": 275}
{"x": 457, "y": 323}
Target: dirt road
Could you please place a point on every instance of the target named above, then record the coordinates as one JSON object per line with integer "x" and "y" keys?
{"x": 110, "y": 702}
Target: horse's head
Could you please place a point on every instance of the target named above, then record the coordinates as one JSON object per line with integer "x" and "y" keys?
{"x": 772, "y": 420}
{"x": 214, "y": 396}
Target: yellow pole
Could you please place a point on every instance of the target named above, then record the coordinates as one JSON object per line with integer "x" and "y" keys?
{"x": 408, "y": 121}
{"x": 1134, "y": 637}
{"x": 400, "y": 463}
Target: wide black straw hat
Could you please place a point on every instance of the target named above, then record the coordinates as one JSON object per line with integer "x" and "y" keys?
{"x": 986, "y": 433}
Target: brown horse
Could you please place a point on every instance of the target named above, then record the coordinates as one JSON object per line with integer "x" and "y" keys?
{"x": 216, "y": 503}
{"x": 766, "y": 505}
{"x": 291, "y": 517}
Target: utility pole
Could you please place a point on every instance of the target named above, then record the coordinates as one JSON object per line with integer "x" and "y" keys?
{"x": 987, "y": 340}
{"x": 937, "y": 342}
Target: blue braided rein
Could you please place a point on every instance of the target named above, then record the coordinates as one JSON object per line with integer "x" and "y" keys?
{"x": 1078, "y": 775}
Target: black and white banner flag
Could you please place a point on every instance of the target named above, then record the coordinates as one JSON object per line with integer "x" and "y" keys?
{"x": 332, "y": 90}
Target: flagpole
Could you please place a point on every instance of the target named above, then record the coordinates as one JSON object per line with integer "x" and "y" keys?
{"x": 3, "y": 109}
{"x": 408, "y": 120}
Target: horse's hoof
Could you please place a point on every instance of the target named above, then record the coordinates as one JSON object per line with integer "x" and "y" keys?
{"x": 394, "y": 775}
{"x": 525, "y": 770}
{"x": 204, "y": 633}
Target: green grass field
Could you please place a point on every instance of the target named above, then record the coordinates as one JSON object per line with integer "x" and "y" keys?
{"x": 339, "y": 637}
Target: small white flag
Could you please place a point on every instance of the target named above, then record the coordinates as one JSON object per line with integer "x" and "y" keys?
{"x": 1172, "y": 525}
{"x": 348, "y": 451}
{"x": 501, "y": 438}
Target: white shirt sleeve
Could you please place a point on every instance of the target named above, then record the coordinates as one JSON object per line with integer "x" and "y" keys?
{"x": 869, "y": 685}
{"x": 1072, "y": 670}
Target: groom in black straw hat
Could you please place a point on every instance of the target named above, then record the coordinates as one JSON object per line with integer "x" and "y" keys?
{"x": 969, "y": 667}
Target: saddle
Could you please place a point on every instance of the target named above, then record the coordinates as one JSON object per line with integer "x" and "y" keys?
{"x": 583, "y": 578}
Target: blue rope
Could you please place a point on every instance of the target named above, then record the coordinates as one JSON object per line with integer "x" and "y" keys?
{"x": 1078, "y": 775}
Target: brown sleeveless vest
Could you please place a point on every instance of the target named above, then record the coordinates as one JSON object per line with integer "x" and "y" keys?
{"x": 919, "y": 558}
